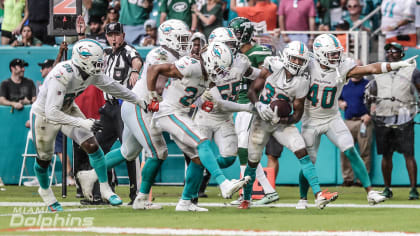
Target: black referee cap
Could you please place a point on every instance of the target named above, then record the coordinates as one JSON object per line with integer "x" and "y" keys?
{"x": 116, "y": 27}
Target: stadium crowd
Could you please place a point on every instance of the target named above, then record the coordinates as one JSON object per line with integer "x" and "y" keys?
{"x": 120, "y": 25}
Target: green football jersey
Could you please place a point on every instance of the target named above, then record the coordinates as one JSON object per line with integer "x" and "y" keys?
{"x": 256, "y": 55}
{"x": 178, "y": 9}
{"x": 132, "y": 13}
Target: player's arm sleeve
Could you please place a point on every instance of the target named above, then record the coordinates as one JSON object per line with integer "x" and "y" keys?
{"x": 113, "y": 87}
{"x": 54, "y": 103}
{"x": 347, "y": 65}
{"x": 228, "y": 106}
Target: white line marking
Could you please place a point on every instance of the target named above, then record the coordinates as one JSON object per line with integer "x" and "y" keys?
{"x": 209, "y": 204}
{"x": 170, "y": 231}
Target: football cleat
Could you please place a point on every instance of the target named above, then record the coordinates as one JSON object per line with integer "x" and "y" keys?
{"x": 414, "y": 194}
{"x": 375, "y": 197}
{"x": 237, "y": 201}
{"x": 141, "y": 203}
{"x": 268, "y": 198}
{"x": 229, "y": 187}
{"x": 187, "y": 205}
{"x": 49, "y": 199}
{"x": 245, "y": 204}
{"x": 107, "y": 194}
{"x": 387, "y": 193}
{"x": 302, "y": 204}
{"x": 324, "y": 198}
{"x": 87, "y": 179}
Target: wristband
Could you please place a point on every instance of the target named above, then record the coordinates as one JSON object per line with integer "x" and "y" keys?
{"x": 383, "y": 67}
{"x": 81, "y": 34}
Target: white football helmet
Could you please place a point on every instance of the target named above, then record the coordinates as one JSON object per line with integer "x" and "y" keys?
{"x": 88, "y": 55}
{"x": 328, "y": 50}
{"x": 175, "y": 34}
{"x": 225, "y": 35}
{"x": 297, "y": 50}
{"x": 217, "y": 59}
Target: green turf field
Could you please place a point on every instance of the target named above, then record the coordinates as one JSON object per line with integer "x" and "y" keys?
{"x": 382, "y": 218}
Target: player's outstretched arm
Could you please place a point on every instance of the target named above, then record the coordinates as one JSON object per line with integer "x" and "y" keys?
{"x": 379, "y": 68}
{"x": 114, "y": 88}
{"x": 225, "y": 105}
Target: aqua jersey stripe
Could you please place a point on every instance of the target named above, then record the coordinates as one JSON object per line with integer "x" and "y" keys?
{"x": 145, "y": 132}
{"x": 185, "y": 128}
{"x": 335, "y": 40}
{"x": 301, "y": 48}
{"x": 93, "y": 41}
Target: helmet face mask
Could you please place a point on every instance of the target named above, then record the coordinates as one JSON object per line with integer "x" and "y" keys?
{"x": 243, "y": 29}
{"x": 88, "y": 56}
{"x": 226, "y": 36}
{"x": 328, "y": 50}
{"x": 217, "y": 59}
{"x": 175, "y": 35}
{"x": 296, "y": 57}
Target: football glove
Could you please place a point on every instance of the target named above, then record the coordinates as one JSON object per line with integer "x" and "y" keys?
{"x": 264, "y": 111}
{"x": 207, "y": 106}
{"x": 91, "y": 125}
{"x": 401, "y": 64}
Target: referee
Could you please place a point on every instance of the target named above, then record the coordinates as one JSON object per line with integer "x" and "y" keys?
{"x": 122, "y": 63}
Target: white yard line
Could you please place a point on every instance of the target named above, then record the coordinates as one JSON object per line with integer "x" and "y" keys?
{"x": 280, "y": 205}
{"x": 173, "y": 231}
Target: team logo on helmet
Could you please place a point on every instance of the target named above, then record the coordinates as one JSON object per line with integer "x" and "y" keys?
{"x": 167, "y": 29}
{"x": 84, "y": 52}
{"x": 217, "y": 51}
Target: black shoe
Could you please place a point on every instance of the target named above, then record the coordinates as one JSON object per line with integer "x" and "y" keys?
{"x": 131, "y": 203}
{"x": 94, "y": 202}
{"x": 194, "y": 201}
{"x": 201, "y": 194}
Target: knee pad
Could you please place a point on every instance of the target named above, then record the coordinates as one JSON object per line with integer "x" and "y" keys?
{"x": 257, "y": 137}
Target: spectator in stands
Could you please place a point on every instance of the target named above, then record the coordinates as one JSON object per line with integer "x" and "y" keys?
{"x": 329, "y": 13}
{"x": 151, "y": 31}
{"x": 396, "y": 138}
{"x": 96, "y": 8}
{"x": 355, "y": 10}
{"x": 297, "y": 15}
{"x": 398, "y": 22}
{"x": 26, "y": 38}
{"x": 133, "y": 16}
{"x": 264, "y": 10}
{"x": 179, "y": 9}
{"x": 418, "y": 22}
{"x": 17, "y": 90}
{"x": 209, "y": 17}
{"x": 13, "y": 20}
{"x": 112, "y": 15}
{"x": 96, "y": 30}
{"x": 38, "y": 17}
{"x": 358, "y": 121}
{"x": 342, "y": 25}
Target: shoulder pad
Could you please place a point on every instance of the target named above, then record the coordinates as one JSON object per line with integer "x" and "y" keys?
{"x": 273, "y": 63}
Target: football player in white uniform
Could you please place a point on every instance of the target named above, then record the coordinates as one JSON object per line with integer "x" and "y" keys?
{"x": 329, "y": 73}
{"x": 282, "y": 80}
{"x": 218, "y": 124}
{"x": 55, "y": 110}
{"x": 189, "y": 78}
{"x": 174, "y": 38}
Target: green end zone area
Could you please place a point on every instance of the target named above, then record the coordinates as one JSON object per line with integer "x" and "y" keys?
{"x": 348, "y": 213}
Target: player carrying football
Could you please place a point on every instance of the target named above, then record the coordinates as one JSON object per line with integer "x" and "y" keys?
{"x": 282, "y": 80}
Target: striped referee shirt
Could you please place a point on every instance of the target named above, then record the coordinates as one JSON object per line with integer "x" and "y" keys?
{"x": 118, "y": 65}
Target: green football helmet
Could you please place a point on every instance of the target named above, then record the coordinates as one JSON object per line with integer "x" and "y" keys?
{"x": 243, "y": 29}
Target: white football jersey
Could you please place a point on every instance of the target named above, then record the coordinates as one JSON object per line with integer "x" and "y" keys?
{"x": 228, "y": 86}
{"x": 179, "y": 94}
{"x": 277, "y": 86}
{"x": 64, "y": 83}
{"x": 325, "y": 88}
{"x": 156, "y": 56}
{"x": 393, "y": 11}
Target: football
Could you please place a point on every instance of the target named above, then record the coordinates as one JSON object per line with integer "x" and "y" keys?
{"x": 283, "y": 107}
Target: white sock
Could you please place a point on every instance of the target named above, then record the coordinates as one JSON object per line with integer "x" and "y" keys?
{"x": 260, "y": 176}
{"x": 243, "y": 171}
